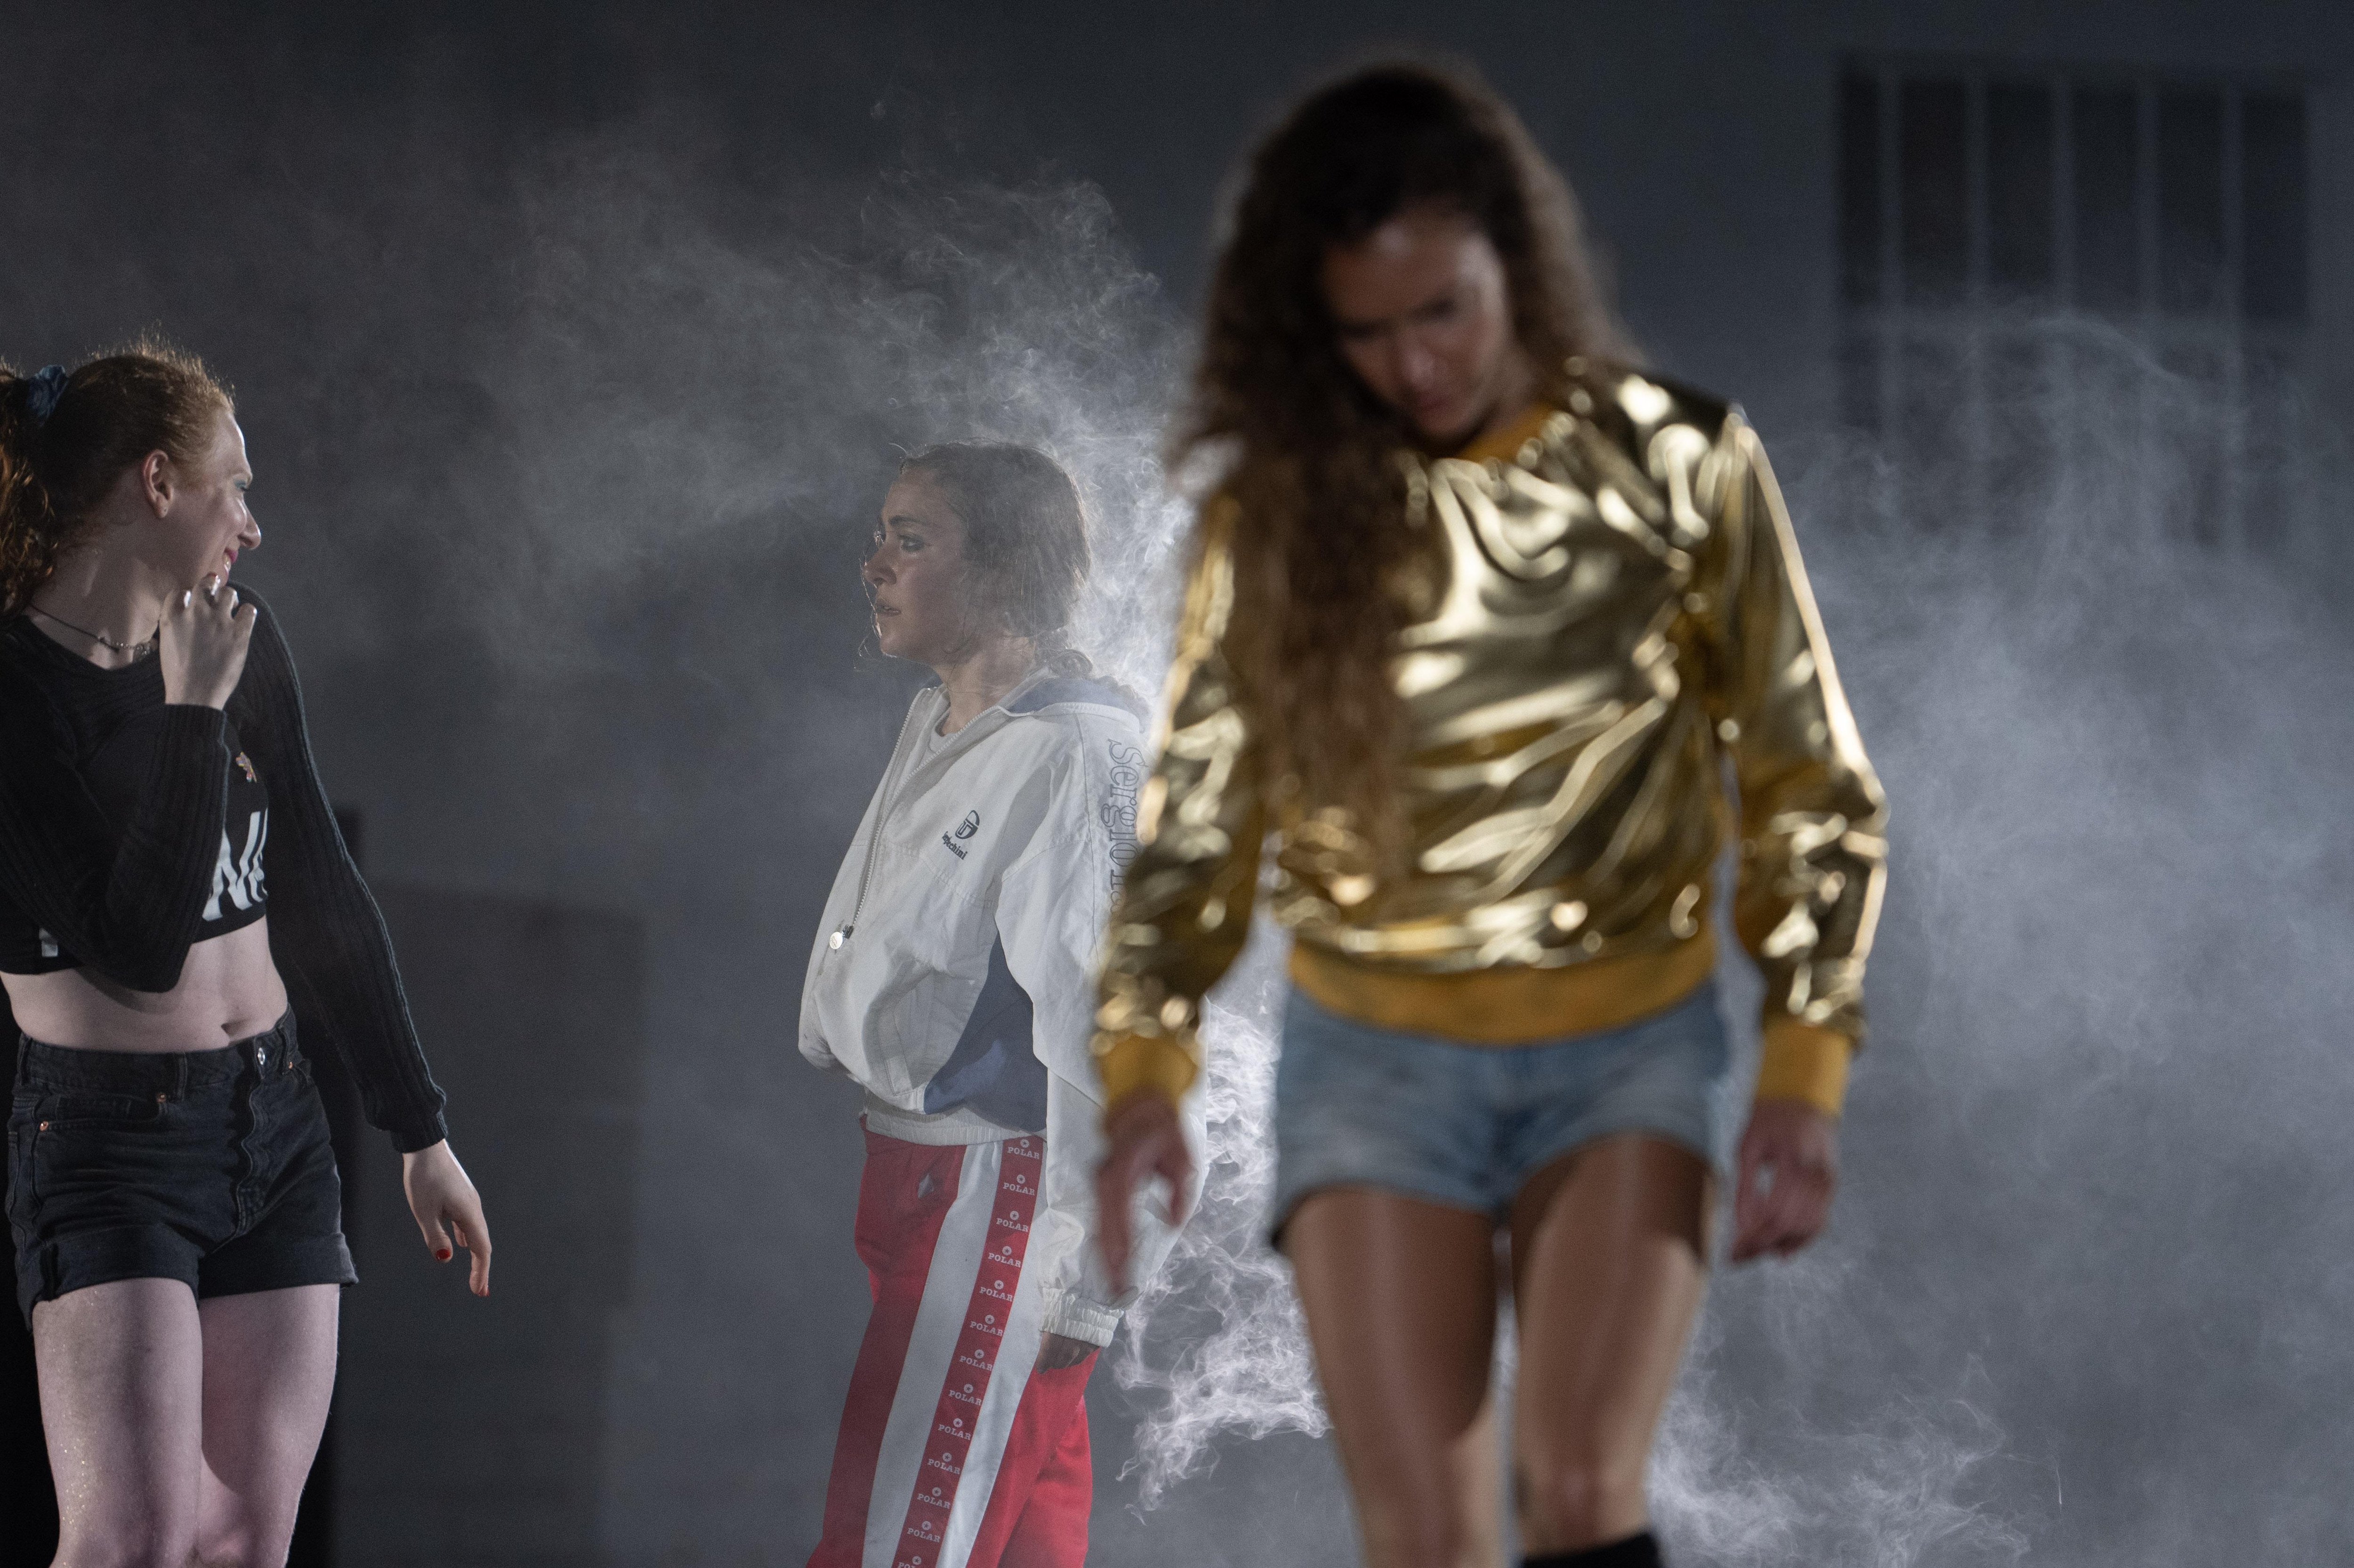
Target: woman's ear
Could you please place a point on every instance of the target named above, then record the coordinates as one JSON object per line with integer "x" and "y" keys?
{"x": 158, "y": 485}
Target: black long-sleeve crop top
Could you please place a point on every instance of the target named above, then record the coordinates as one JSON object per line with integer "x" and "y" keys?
{"x": 131, "y": 829}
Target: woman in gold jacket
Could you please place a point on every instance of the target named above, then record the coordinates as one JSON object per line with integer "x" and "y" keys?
{"x": 1477, "y": 621}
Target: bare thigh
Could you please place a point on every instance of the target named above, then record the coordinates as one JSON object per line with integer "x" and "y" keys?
{"x": 269, "y": 1370}
{"x": 121, "y": 1373}
{"x": 1610, "y": 1250}
{"x": 176, "y": 1427}
{"x": 1400, "y": 1302}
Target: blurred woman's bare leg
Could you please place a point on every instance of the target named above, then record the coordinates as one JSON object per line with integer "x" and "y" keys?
{"x": 1609, "y": 1264}
{"x": 1400, "y": 1297}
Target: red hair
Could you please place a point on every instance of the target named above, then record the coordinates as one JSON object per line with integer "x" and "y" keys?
{"x": 55, "y": 469}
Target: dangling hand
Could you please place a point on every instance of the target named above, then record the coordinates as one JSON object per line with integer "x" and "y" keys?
{"x": 1142, "y": 1139}
{"x": 1061, "y": 1350}
{"x": 1789, "y": 1170}
{"x": 443, "y": 1201}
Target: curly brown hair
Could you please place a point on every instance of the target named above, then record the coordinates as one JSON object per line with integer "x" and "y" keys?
{"x": 53, "y": 470}
{"x": 1307, "y": 450}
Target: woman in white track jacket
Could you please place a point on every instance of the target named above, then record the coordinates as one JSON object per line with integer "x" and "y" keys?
{"x": 954, "y": 977}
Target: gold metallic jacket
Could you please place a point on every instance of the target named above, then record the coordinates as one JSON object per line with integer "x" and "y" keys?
{"x": 1605, "y": 619}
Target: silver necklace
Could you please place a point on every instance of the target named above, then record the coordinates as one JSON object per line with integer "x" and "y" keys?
{"x": 136, "y": 649}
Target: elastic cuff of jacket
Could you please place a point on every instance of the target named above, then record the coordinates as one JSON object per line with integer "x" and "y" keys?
{"x": 1076, "y": 1318}
{"x": 1805, "y": 1062}
{"x": 1134, "y": 1062}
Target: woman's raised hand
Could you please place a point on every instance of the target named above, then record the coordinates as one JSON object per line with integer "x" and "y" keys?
{"x": 1143, "y": 1139}
{"x": 201, "y": 643}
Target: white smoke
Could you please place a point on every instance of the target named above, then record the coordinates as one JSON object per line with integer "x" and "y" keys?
{"x": 1889, "y": 1493}
{"x": 1216, "y": 1338}
{"x": 2102, "y": 717}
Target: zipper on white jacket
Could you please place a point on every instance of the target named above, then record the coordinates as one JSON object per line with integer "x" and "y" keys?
{"x": 882, "y": 815}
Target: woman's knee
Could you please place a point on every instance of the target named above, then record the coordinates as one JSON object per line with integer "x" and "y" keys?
{"x": 239, "y": 1542}
{"x": 1572, "y": 1499}
{"x": 1402, "y": 1532}
{"x": 128, "y": 1544}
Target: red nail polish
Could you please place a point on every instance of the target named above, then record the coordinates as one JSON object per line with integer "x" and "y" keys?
{"x": 444, "y": 1253}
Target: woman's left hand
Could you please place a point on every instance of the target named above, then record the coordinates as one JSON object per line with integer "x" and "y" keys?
{"x": 1789, "y": 1170}
{"x": 1061, "y": 1350}
{"x": 443, "y": 1201}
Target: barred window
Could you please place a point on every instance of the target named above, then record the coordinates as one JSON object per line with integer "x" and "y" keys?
{"x": 2104, "y": 265}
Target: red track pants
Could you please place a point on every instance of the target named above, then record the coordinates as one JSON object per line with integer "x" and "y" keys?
{"x": 956, "y": 1451}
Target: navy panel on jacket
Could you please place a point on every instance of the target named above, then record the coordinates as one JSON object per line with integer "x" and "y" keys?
{"x": 993, "y": 1070}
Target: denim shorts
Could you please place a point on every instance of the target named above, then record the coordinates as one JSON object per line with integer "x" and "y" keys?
{"x": 209, "y": 1166}
{"x": 1467, "y": 1125}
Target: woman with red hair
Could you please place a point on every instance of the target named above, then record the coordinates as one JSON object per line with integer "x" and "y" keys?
{"x": 170, "y": 876}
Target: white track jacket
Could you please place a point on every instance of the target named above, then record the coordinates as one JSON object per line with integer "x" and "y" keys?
{"x": 953, "y": 976}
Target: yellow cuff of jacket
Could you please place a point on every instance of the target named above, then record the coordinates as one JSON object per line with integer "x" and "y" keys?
{"x": 1133, "y": 1062}
{"x": 1802, "y": 1062}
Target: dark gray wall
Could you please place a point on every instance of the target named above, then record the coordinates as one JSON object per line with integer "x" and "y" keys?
{"x": 475, "y": 1429}
{"x": 573, "y": 343}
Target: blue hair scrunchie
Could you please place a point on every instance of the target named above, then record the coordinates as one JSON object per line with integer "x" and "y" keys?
{"x": 43, "y": 390}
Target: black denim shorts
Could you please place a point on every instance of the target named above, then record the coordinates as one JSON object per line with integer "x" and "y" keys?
{"x": 208, "y": 1167}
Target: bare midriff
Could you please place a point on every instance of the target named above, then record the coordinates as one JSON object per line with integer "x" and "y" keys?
{"x": 229, "y": 989}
